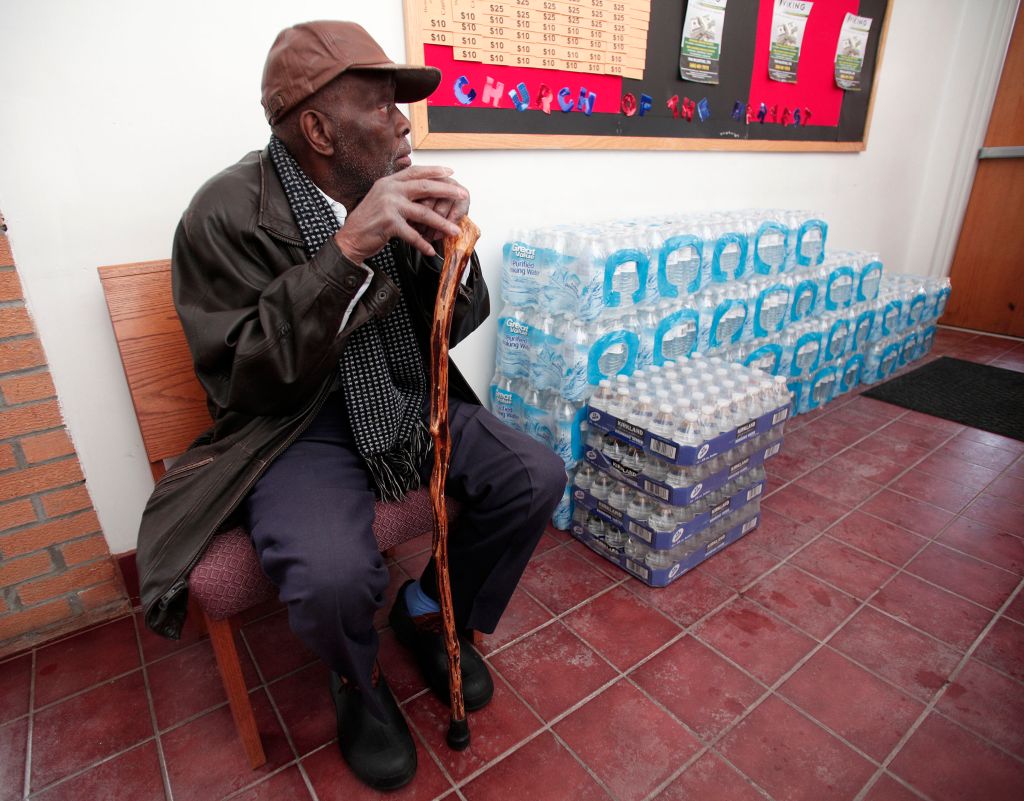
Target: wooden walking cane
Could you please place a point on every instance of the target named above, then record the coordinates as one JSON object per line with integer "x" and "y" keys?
{"x": 457, "y": 252}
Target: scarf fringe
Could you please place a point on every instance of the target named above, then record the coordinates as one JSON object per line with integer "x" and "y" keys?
{"x": 397, "y": 472}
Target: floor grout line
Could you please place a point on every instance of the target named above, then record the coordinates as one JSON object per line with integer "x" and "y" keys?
{"x": 92, "y": 765}
{"x": 75, "y": 694}
{"x": 165, "y": 775}
{"x": 265, "y": 687}
{"x": 30, "y": 729}
{"x": 937, "y": 696}
{"x": 819, "y": 644}
{"x": 683, "y": 633}
{"x": 707, "y": 747}
{"x": 995, "y": 616}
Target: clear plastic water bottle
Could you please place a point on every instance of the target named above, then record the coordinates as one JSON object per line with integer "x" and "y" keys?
{"x": 615, "y": 353}
{"x": 513, "y": 347}
{"x": 558, "y": 279}
{"x": 620, "y": 497}
{"x": 690, "y": 433}
{"x": 806, "y": 355}
{"x": 633, "y": 458}
{"x": 663, "y": 518}
{"x": 711, "y": 423}
{"x": 646, "y": 328}
{"x": 596, "y": 526}
{"x": 537, "y": 416}
{"x": 735, "y": 410}
{"x": 656, "y": 468}
{"x": 615, "y": 538}
{"x": 577, "y": 343}
{"x": 685, "y": 514}
{"x": 658, "y": 559}
{"x": 870, "y": 277}
{"x": 561, "y": 518}
{"x": 546, "y": 353}
{"x": 783, "y": 396}
{"x": 680, "y": 476}
{"x": 565, "y": 433}
{"x": 682, "y": 265}
{"x": 664, "y": 421}
{"x": 811, "y": 235}
{"x": 694, "y": 400}
{"x": 520, "y": 269}
{"x": 585, "y": 476}
{"x": 622, "y": 402}
{"x": 640, "y": 507}
{"x": 602, "y": 486}
{"x": 602, "y": 396}
{"x": 636, "y": 549}
{"x": 613, "y": 448}
{"x": 588, "y": 249}
{"x": 506, "y": 403}
{"x": 680, "y": 331}
{"x": 642, "y": 413}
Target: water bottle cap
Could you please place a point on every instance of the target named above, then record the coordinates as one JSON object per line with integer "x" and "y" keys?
{"x": 666, "y": 408}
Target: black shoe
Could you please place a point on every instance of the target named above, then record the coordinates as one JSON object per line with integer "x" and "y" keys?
{"x": 424, "y": 636}
{"x": 380, "y": 752}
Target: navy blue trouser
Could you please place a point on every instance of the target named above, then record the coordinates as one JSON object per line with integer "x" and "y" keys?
{"x": 311, "y": 517}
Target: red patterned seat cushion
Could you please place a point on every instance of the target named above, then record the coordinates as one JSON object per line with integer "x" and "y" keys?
{"x": 228, "y": 578}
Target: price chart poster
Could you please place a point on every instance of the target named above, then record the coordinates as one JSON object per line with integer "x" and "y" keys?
{"x": 605, "y": 74}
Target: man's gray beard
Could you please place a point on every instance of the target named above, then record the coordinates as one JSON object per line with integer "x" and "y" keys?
{"x": 359, "y": 179}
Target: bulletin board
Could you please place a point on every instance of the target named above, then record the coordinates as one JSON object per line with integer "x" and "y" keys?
{"x": 509, "y": 70}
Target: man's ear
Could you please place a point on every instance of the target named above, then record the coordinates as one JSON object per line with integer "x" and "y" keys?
{"x": 318, "y": 132}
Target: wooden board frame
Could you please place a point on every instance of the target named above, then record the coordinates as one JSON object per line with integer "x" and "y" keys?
{"x": 424, "y": 139}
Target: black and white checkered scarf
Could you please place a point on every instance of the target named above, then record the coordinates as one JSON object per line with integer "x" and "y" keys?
{"x": 382, "y": 375}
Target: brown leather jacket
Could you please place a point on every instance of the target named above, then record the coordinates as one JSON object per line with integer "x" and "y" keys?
{"x": 262, "y": 322}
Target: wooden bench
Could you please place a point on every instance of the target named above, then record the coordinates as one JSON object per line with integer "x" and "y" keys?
{"x": 170, "y": 406}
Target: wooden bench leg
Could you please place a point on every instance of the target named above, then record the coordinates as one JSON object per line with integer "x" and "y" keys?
{"x": 223, "y": 641}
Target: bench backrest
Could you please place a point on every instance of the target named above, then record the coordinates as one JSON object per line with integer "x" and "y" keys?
{"x": 170, "y": 404}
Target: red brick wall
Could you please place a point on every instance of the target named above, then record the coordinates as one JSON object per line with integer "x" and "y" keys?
{"x": 56, "y": 572}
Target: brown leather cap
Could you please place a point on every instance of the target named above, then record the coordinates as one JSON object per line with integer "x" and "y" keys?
{"x": 306, "y": 57}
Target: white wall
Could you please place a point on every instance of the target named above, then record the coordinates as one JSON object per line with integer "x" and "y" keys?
{"x": 115, "y": 112}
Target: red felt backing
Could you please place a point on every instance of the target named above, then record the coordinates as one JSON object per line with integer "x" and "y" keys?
{"x": 815, "y": 88}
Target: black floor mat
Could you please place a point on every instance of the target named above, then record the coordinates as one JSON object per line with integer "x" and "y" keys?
{"x": 977, "y": 395}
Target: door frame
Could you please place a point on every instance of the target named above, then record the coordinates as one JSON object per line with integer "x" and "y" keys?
{"x": 976, "y": 116}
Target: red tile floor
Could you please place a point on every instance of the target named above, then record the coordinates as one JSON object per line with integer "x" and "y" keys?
{"x": 865, "y": 642}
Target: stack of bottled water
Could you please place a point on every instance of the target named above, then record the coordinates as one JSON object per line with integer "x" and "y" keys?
{"x": 673, "y": 463}
{"x": 587, "y": 303}
{"x": 845, "y": 338}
